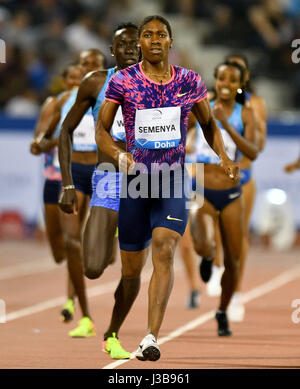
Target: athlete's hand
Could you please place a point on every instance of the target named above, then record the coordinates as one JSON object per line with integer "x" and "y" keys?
{"x": 291, "y": 167}
{"x": 35, "y": 148}
{"x": 219, "y": 112}
{"x": 126, "y": 162}
{"x": 68, "y": 201}
{"x": 230, "y": 168}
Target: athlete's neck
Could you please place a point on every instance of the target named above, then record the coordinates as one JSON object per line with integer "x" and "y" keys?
{"x": 161, "y": 70}
{"x": 229, "y": 104}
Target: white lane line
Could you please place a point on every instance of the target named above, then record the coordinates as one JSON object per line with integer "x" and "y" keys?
{"x": 26, "y": 269}
{"x": 259, "y": 291}
{"x": 91, "y": 292}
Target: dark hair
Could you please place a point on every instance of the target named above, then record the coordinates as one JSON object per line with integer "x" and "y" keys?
{"x": 237, "y": 55}
{"x": 155, "y": 17}
{"x": 94, "y": 52}
{"x": 240, "y": 97}
{"x": 65, "y": 71}
{"x": 125, "y": 25}
{"x": 235, "y": 65}
{"x": 248, "y": 86}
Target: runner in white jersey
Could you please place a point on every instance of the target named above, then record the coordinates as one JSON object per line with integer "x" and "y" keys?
{"x": 45, "y": 141}
{"x": 223, "y": 199}
{"x": 99, "y": 233}
{"x": 83, "y": 163}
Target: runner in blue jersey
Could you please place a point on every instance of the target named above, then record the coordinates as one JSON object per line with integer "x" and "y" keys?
{"x": 246, "y": 96}
{"x": 99, "y": 233}
{"x": 223, "y": 199}
{"x": 45, "y": 141}
{"x": 88, "y": 59}
{"x": 156, "y": 99}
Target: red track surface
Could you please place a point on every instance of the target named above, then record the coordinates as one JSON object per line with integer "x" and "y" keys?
{"x": 266, "y": 339}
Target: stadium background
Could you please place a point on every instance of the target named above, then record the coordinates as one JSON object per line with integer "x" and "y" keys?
{"x": 42, "y": 36}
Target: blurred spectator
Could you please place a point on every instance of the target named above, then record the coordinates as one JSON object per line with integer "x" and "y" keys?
{"x": 37, "y": 73}
{"x": 273, "y": 32}
{"x": 80, "y": 35}
{"x": 52, "y": 46}
{"x": 42, "y": 11}
{"x": 12, "y": 74}
{"x": 24, "y": 105}
{"x": 271, "y": 23}
{"x": 19, "y": 31}
{"x": 43, "y": 35}
{"x": 190, "y": 8}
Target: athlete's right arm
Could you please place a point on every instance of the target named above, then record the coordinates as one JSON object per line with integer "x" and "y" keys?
{"x": 104, "y": 140}
{"x": 292, "y": 166}
{"x": 73, "y": 118}
{"x": 47, "y": 111}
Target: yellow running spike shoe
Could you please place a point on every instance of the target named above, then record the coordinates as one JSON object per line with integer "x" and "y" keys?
{"x": 112, "y": 346}
{"x": 85, "y": 329}
{"x": 68, "y": 311}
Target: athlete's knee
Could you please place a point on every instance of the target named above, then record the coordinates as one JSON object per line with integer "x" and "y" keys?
{"x": 186, "y": 249}
{"x": 112, "y": 259}
{"x": 165, "y": 249}
{"x": 73, "y": 242}
{"x": 59, "y": 256}
{"x": 93, "y": 267}
{"x": 205, "y": 248}
{"x": 93, "y": 272}
{"x": 132, "y": 269}
{"x": 95, "y": 262}
{"x": 130, "y": 272}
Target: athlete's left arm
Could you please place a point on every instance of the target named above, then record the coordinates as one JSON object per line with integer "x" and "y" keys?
{"x": 260, "y": 112}
{"x": 247, "y": 144}
{"x": 103, "y": 138}
{"x": 211, "y": 131}
{"x": 191, "y": 134}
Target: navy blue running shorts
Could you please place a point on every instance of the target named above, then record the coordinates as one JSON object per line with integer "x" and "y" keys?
{"x": 82, "y": 177}
{"x": 139, "y": 216}
{"x": 52, "y": 189}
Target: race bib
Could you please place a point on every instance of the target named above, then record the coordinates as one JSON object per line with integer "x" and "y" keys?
{"x": 158, "y": 128}
{"x": 55, "y": 161}
{"x": 118, "y": 130}
{"x": 84, "y": 135}
{"x": 207, "y": 154}
{"x": 230, "y": 146}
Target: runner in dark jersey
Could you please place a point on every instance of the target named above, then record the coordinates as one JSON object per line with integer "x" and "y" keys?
{"x": 156, "y": 100}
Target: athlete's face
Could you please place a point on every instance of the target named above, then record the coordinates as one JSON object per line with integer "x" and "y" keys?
{"x": 73, "y": 77}
{"x": 125, "y": 47}
{"x": 90, "y": 61}
{"x": 227, "y": 82}
{"x": 241, "y": 62}
{"x": 155, "y": 41}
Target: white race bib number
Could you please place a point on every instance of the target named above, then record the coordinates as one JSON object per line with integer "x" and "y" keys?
{"x": 229, "y": 144}
{"x": 84, "y": 135}
{"x": 158, "y": 128}
{"x": 118, "y": 130}
{"x": 55, "y": 159}
{"x": 207, "y": 153}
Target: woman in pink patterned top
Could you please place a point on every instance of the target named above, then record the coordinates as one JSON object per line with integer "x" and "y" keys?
{"x": 156, "y": 100}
